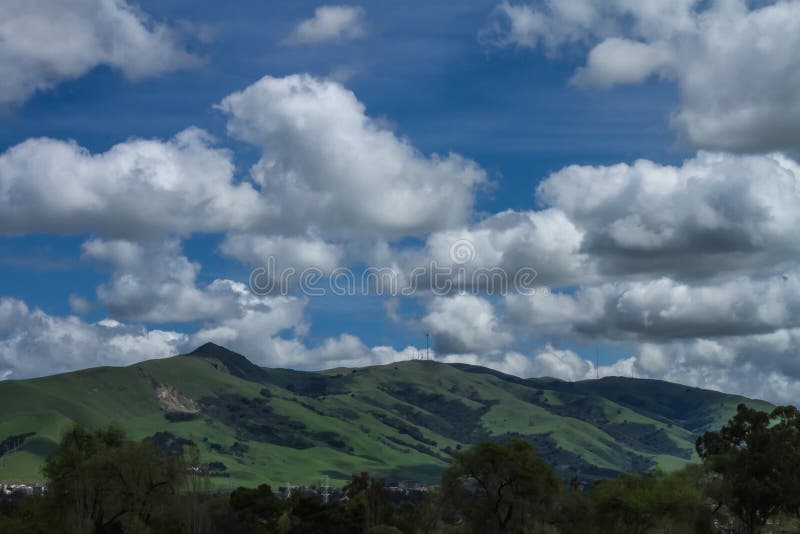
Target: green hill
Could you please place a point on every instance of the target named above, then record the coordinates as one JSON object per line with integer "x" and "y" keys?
{"x": 400, "y": 421}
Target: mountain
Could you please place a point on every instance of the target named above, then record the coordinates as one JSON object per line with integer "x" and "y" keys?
{"x": 400, "y": 421}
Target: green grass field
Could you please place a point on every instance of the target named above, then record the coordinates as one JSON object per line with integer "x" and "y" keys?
{"x": 400, "y": 421}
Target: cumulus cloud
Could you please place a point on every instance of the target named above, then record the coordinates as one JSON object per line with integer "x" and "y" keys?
{"x": 664, "y": 309}
{"x": 33, "y": 343}
{"x": 329, "y": 166}
{"x": 330, "y": 23}
{"x": 559, "y": 363}
{"x": 344, "y": 350}
{"x": 714, "y": 213}
{"x": 714, "y": 216}
{"x": 328, "y": 171}
{"x": 547, "y": 242}
{"x": 705, "y": 47}
{"x": 46, "y": 42}
{"x": 738, "y": 336}
{"x": 548, "y": 361}
{"x": 503, "y": 253}
{"x": 552, "y": 24}
{"x": 137, "y": 189}
{"x": 761, "y": 366}
{"x": 297, "y": 252}
{"x": 155, "y": 283}
{"x": 617, "y": 61}
{"x": 464, "y": 324}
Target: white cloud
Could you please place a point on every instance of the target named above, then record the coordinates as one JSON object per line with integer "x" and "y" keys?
{"x": 330, "y": 23}
{"x": 546, "y": 361}
{"x": 714, "y": 216}
{"x": 464, "y": 324}
{"x": 714, "y": 213}
{"x": 298, "y": 252}
{"x": 740, "y": 336}
{"x": 33, "y": 343}
{"x": 664, "y": 309}
{"x": 139, "y": 188}
{"x": 734, "y": 63}
{"x": 500, "y": 254}
{"x": 761, "y": 366}
{"x": 546, "y": 241}
{"x": 46, "y": 42}
{"x": 155, "y": 283}
{"x": 328, "y": 171}
{"x": 329, "y": 167}
{"x": 253, "y": 330}
{"x": 552, "y": 23}
{"x": 563, "y": 364}
{"x": 349, "y": 351}
{"x": 616, "y": 61}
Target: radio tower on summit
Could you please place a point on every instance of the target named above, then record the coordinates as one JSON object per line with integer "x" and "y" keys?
{"x": 427, "y": 346}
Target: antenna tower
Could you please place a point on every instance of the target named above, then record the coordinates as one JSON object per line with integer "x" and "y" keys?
{"x": 597, "y": 363}
{"x": 427, "y": 346}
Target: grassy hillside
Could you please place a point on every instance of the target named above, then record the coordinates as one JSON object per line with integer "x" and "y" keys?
{"x": 400, "y": 421}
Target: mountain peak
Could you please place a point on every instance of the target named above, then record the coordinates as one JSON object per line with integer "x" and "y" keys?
{"x": 210, "y": 348}
{"x": 235, "y": 363}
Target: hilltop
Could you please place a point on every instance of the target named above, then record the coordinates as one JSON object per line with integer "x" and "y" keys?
{"x": 401, "y": 421}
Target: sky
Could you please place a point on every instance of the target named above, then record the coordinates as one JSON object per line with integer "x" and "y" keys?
{"x": 568, "y": 189}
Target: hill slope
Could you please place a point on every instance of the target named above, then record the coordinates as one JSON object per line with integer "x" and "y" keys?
{"x": 400, "y": 421}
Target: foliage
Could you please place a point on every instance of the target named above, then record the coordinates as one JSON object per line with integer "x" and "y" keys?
{"x": 756, "y": 462}
{"x": 399, "y": 422}
{"x": 100, "y": 482}
{"x": 499, "y": 488}
{"x": 654, "y": 502}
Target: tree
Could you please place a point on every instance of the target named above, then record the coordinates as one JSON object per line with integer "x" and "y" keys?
{"x": 196, "y": 498}
{"x": 258, "y": 510}
{"x": 651, "y": 502}
{"x": 499, "y": 488}
{"x": 755, "y": 458}
{"x": 28, "y": 516}
{"x": 98, "y": 482}
{"x": 371, "y": 496}
{"x": 572, "y": 510}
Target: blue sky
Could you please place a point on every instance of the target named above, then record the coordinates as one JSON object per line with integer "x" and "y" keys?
{"x": 654, "y": 264}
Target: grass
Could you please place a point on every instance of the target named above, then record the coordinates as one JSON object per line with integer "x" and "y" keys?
{"x": 401, "y": 421}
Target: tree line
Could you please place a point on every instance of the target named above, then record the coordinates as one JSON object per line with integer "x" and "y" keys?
{"x": 747, "y": 481}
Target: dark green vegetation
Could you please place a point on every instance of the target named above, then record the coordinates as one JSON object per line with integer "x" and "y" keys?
{"x": 400, "y": 421}
{"x": 102, "y": 483}
{"x": 756, "y": 462}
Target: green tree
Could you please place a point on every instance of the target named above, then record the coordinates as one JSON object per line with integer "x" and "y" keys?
{"x": 571, "y": 514}
{"x": 652, "y": 502}
{"x": 755, "y": 458}
{"x": 196, "y": 495}
{"x": 99, "y": 482}
{"x": 499, "y": 488}
{"x": 258, "y": 510}
{"x": 372, "y": 497}
{"x": 27, "y": 516}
